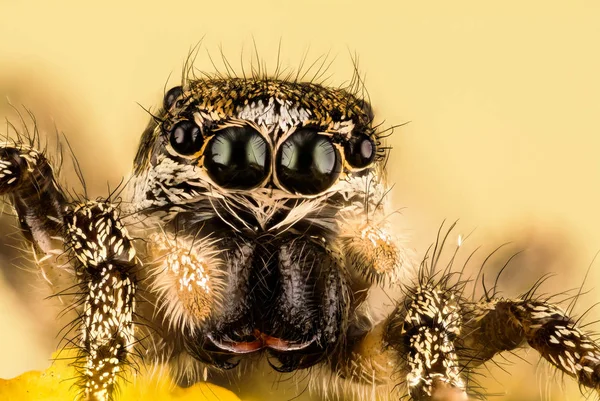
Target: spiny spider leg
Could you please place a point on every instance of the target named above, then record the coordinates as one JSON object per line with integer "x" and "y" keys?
{"x": 105, "y": 264}
{"x": 105, "y": 260}
{"x": 503, "y": 324}
{"x": 417, "y": 341}
{"x": 423, "y": 331}
{"x": 27, "y": 178}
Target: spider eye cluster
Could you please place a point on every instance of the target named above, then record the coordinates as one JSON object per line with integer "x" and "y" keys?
{"x": 239, "y": 157}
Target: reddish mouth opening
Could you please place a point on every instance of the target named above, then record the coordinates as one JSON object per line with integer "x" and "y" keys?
{"x": 262, "y": 341}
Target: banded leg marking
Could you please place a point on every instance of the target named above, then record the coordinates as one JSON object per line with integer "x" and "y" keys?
{"x": 423, "y": 332}
{"x": 27, "y": 177}
{"x": 501, "y": 325}
{"x": 106, "y": 264}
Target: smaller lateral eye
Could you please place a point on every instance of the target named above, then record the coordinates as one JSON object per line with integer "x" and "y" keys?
{"x": 360, "y": 151}
{"x": 171, "y": 96}
{"x": 186, "y": 138}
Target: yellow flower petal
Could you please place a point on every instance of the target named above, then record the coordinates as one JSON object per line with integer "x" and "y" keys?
{"x": 56, "y": 384}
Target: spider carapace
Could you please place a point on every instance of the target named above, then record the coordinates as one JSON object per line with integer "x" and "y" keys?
{"x": 254, "y": 223}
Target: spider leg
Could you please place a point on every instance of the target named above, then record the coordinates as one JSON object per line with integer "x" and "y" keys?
{"x": 419, "y": 338}
{"x": 501, "y": 324}
{"x": 423, "y": 331}
{"x": 28, "y": 180}
{"x": 105, "y": 264}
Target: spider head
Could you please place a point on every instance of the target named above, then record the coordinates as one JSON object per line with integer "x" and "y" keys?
{"x": 263, "y": 168}
{"x": 254, "y": 142}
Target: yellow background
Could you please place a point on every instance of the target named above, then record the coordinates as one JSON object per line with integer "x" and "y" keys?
{"x": 503, "y": 100}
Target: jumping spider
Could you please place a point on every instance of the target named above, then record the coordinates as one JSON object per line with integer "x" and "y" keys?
{"x": 254, "y": 222}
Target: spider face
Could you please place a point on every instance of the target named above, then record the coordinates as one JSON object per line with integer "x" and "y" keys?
{"x": 287, "y": 139}
{"x": 257, "y": 172}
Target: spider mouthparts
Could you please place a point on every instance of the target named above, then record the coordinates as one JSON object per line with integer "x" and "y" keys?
{"x": 282, "y": 345}
{"x": 237, "y": 347}
{"x": 262, "y": 341}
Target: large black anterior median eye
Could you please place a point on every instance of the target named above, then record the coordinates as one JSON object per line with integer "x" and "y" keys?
{"x": 307, "y": 163}
{"x": 186, "y": 138}
{"x": 237, "y": 158}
